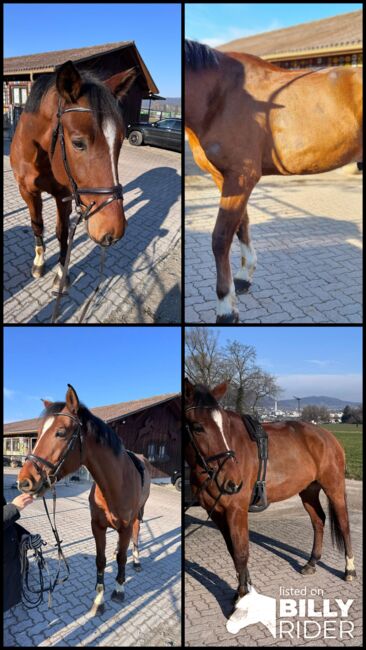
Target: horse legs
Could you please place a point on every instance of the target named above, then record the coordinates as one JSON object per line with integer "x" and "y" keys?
{"x": 34, "y": 203}
{"x": 243, "y": 278}
{"x": 124, "y": 536}
{"x": 100, "y": 541}
{"x": 235, "y": 193}
{"x": 312, "y": 505}
{"x": 135, "y": 539}
{"x": 62, "y": 231}
{"x": 339, "y": 520}
{"x": 235, "y": 530}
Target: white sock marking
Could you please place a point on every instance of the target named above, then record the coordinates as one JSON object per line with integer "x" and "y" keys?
{"x": 225, "y": 306}
{"x": 39, "y": 258}
{"x": 99, "y": 598}
{"x": 120, "y": 588}
{"x": 350, "y": 563}
{"x": 248, "y": 261}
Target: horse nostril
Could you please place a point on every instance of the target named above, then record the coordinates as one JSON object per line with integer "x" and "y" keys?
{"x": 25, "y": 485}
{"x": 107, "y": 240}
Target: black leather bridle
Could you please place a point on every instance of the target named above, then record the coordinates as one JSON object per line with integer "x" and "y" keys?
{"x": 85, "y": 211}
{"x": 50, "y": 479}
{"x": 204, "y": 461}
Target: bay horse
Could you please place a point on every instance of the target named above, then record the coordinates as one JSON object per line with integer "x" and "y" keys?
{"x": 67, "y": 143}
{"x": 302, "y": 459}
{"x": 246, "y": 118}
{"x": 71, "y": 436}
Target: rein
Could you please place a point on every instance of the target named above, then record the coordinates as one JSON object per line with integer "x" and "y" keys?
{"x": 46, "y": 480}
{"x": 82, "y": 211}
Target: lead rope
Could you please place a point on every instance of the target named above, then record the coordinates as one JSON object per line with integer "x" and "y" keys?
{"x": 60, "y": 553}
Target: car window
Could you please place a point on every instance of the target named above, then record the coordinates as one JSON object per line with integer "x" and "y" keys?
{"x": 166, "y": 124}
{"x": 178, "y": 125}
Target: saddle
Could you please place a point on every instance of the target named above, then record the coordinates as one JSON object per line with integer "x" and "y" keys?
{"x": 258, "y": 501}
{"x": 138, "y": 464}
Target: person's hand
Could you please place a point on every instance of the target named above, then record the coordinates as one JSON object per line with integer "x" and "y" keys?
{"x": 22, "y": 501}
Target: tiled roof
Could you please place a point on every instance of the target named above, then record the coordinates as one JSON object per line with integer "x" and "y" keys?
{"x": 329, "y": 32}
{"x": 107, "y": 413}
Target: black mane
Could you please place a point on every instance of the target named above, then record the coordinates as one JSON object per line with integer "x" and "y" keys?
{"x": 203, "y": 398}
{"x": 101, "y": 100}
{"x": 199, "y": 56}
{"x": 93, "y": 425}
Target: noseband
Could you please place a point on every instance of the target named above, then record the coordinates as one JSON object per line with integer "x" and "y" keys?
{"x": 55, "y": 468}
{"x": 84, "y": 211}
{"x": 206, "y": 460}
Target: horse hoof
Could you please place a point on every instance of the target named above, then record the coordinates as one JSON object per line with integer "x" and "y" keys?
{"x": 228, "y": 318}
{"x": 38, "y": 271}
{"x": 350, "y": 575}
{"x": 241, "y": 286}
{"x": 308, "y": 570}
{"x": 97, "y": 610}
{"x": 57, "y": 282}
{"x": 118, "y": 596}
{"x": 137, "y": 567}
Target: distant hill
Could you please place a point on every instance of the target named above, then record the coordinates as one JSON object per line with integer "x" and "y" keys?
{"x": 316, "y": 400}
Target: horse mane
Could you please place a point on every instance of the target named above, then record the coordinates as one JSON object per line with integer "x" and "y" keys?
{"x": 102, "y": 102}
{"x": 199, "y": 56}
{"x": 94, "y": 426}
{"x": 203, "y": 398}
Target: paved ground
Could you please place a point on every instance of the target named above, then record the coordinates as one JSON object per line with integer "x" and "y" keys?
{"x": 307, "y": 234}
{"x": 138, "y": 286}
{"x": 151, "y": 612}
{"x": 280, "y": 542}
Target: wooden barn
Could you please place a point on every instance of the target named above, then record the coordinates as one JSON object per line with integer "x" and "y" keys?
{"x": 105, "y": 60}
{"x": 150, "y": 426}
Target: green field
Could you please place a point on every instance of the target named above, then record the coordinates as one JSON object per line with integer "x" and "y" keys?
{"x": 350, "y": 436}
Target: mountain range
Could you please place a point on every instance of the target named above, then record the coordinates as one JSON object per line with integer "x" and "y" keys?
{"x": 314, "y": 400}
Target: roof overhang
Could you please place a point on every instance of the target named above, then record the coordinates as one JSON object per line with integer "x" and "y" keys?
{"x": 309, "y": 54}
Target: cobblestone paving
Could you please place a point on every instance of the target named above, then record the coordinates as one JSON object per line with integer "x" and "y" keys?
{"x": 151, "y": 180}
{"x": 307, "y": 234}
{"x": 151, "y": 612}
{"x": 280, "y": 543}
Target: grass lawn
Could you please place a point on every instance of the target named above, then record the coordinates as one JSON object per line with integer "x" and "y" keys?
{"x": 350, "y": 436}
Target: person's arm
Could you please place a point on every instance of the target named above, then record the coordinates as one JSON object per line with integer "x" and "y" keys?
{"x": 11, "y": 510}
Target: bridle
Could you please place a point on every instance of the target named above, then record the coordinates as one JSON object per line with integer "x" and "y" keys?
{"x": 55, "y": 467}
{"x": 83, "y": 212}
{"x": 212, "y": 473}
{"x": 46, "y": 481}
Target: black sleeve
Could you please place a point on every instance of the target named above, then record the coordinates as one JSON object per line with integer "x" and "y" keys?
{"x": 11, "y": 514}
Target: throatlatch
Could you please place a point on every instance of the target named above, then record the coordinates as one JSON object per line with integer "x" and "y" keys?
{"x": 256, "y": 432}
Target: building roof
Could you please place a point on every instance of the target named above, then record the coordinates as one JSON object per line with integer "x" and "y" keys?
{"x": 336, "y": 32}
{"x": 107, "y": 413}
{"x": 48, "y": 61}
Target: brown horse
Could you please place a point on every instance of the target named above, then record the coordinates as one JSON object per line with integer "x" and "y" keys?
{"x": 246, "y": 118}
{"x": 68, "y": 140}
{"x": 71, "y": 436}
{"x": 302, "y": 459}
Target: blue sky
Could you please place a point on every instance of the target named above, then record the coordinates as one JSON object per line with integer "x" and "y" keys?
{"x": 105, "y": 365}
{"x": 307, "y": 360}
{"x": 220, "y": 23}
{"x": 155, "y": 28}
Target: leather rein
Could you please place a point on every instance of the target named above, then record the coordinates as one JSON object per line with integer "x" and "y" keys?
{"x": 46, "y": 481}
{"x": 83, "y": 211}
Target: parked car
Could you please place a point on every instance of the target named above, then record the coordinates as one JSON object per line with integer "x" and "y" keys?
{"x": 189, "y": 499}
{"x": 163, "y": 133}
{"x": 176, "y": 479}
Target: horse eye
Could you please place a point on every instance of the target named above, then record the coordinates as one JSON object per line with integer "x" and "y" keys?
{"x": 79, "y": 145}
{"x": 197, "y": 428}
{"x": 61, "y": 433}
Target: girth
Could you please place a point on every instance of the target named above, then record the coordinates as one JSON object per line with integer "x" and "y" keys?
{"x": 256, "y": 432}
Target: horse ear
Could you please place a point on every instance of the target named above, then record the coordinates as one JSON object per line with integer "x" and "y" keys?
{"x": 219, "y": 391}
{"x": 72, "y": 400}
{"x": 68, "y": 82}
{"x": 46, "y": 403}
{"x": 188, "y": 389}
{"x": 121, "y": 83}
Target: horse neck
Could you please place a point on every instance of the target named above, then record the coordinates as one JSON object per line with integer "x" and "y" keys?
{"x": 103, "y": 465}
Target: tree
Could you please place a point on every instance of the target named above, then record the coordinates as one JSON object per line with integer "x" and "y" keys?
{"x": 203, "y": 359}
{"x": 313, "y": 413}
{"x": 352, "y": 415}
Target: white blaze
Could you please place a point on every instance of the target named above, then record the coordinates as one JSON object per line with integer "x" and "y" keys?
{"x": 217, "y": 418}
{"x": 109, "y": 130}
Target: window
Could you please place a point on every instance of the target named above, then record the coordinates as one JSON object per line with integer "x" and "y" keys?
{"x": 8, "y": 444}
{"x": 151, "y": 452}
{"x": 161, "y": 452}
{"x": 16, "y": 444}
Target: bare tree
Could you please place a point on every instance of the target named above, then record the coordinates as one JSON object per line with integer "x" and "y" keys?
{"x": 203, "y": 359}
{"x": 314, "y": 413}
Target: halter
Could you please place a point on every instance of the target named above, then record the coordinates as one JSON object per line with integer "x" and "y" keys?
{"x": 84, "y": 211}
{"x": 55, "y": 468}
{"x": 205, "y": 461}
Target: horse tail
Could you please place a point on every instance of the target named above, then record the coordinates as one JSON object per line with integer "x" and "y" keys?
{"x": 335, "y": 529}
